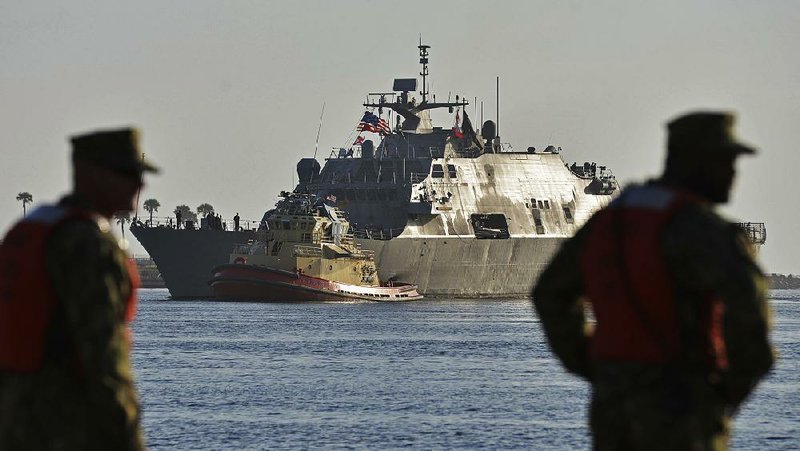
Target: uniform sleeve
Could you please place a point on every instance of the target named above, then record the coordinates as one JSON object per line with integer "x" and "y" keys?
{"x": 710, "y": 256}
{"x": 88, "y": 273}
{"x": 557, "y": 298}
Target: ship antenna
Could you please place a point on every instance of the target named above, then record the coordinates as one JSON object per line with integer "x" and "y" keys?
{"x": 497, "y": 131}
{"x": 423, "y": 59}
{"x": 316, "y": 144}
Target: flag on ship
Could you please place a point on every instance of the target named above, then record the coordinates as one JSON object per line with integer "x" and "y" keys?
{"x": 457, "y": 126}
{"x": 374, "y": 124}
{"x": 359, "y": 141}
{"x": 469, "y": 131}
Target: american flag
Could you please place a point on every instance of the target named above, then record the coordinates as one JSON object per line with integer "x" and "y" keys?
{"x": 374, "y": 124}
{"x": 359, "y": 141}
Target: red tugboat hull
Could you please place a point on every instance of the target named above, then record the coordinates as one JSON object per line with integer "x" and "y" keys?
{"x": 258, "y": 283}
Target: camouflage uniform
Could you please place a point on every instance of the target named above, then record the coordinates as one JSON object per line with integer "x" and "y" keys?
{"x": 679, "y": 406}
{"x": 84, "y": 397}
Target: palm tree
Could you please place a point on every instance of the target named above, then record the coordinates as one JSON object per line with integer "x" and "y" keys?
{"x": 122, "y": 218}
{"x": 26, "y": 198}
{"x": 204, "y": 209}
{"x": 151, "y": 205}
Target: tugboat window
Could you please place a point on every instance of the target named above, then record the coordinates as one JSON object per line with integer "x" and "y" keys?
{"x": 437, "y": 172}
{"x": 489, "y": 226}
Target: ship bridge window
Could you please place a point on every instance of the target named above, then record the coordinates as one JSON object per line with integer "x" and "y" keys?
{"x": 381, "y": 194}
{"x": 371, "y": 194}
{"x": 437, "y": 171}
{"x": 533, "y": 202}
{"x": 489, "y": 226}
{"x": 451, "y": 171}
{"x": 547, "y": 205}
{"x": 541, "y": 205}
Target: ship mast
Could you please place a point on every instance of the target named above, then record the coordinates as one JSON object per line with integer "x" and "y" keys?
{"x": 403, "y": 106}
{"x": 423, "y": 59}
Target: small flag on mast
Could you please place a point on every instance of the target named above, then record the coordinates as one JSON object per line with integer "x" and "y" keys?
{"x": 457, "y": 127}
{"x": 358, "y": 141}
{"x": 374, "y": 124}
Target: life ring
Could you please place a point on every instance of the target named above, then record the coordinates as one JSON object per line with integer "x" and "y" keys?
{"x": 239, "y": 261}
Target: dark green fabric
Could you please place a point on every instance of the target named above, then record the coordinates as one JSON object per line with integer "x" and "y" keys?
{"x": 84, "y": 397}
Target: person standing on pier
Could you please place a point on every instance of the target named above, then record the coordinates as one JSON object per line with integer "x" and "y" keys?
{"x": 67, "y": 295}
{"x": 682, "y": 320}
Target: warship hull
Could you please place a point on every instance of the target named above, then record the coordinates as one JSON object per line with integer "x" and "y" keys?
{"x": 185, "y": 258}
{"x": 464, "y": 267}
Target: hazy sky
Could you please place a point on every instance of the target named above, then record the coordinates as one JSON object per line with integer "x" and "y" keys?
{"x": 228, "y": 93}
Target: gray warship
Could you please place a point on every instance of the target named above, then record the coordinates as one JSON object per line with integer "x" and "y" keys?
{"x": 453, "y": 210}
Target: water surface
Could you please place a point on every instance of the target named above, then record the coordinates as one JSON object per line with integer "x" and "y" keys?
{"x": 433, "y": 374}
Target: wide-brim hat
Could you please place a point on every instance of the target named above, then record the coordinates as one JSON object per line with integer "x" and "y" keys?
{"x": 116, "y": 149}
{"x": 706, "y": 131}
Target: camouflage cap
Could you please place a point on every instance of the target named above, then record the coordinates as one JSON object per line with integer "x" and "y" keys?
{"x": 709, "y": 131}
{"x": 116, "y": 149}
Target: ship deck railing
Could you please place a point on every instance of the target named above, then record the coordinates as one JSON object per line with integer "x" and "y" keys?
{"x": 756, "y": 231}
{"x": 246, "y": 248}
{"x": 377, "y": 234}
{"x": 196, "y": 224}
{"x": 307, "y": 251}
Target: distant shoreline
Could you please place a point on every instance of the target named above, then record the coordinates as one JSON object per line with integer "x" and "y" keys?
{"x": 784, "y": 282}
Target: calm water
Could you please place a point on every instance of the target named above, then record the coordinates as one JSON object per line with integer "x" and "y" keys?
{"x": 434, "y": 374}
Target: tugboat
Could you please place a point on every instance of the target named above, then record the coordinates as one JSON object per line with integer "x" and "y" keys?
{"x": 305, "y": 252}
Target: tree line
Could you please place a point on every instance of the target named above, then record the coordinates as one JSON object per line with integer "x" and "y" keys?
{"x": 150, "y": 205}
